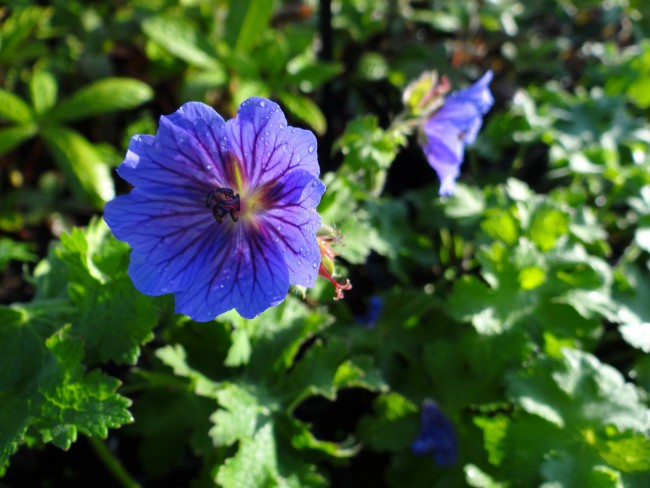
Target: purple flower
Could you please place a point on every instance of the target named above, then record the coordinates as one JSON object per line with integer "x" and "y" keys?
{"x": 371, "y": 317}
{"x": 453, "y": 126}
{"x": 436, "y": 435}
{"x": 223, "y": 214}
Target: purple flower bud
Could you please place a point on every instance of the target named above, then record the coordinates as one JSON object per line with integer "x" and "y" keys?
{"x": 453, "y": 126}
{"x": 436, "y": 435}
{"x": 223, "y": 214}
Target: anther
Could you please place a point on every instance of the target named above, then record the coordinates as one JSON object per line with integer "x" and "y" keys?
{"x": 223, "y": 201}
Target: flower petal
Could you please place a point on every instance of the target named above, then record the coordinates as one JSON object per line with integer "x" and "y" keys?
{"x": 246, "y": 273}
{"x": 265, "y": 147}
{"x": 477, "y": 94}
{"x": 437, "y": 435}
{"x": 172, "y": 237}
{"x": 453, "y": 126}
{"x": 293, "y": 222}
{"x": 188, "y": 153}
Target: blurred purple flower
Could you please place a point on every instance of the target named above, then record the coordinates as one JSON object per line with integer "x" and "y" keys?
{"x": 436, "y": 435}
{"x": 453, "y": 126}
{"x": 223, "y": 214}
{"x": 371, "y": 317}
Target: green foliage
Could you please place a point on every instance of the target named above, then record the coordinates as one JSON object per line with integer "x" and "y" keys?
{"x": 519, "y": 304}
{"x": 590, "y": 419}
{"x": 81, "y": 161}
{"x": 11, "y": 250}
{"x": 83, "y": 314}
{"x": 45, "y": 390}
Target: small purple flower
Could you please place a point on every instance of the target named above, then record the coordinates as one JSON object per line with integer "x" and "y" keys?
{"x": 223, "y": 214}
{"x": 371, "y": 317}
{"x": 436, "y": 435}
{"x": 453, "y": 126}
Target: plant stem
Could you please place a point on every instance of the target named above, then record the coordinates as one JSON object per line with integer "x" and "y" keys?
{"x": 113, "y": 465}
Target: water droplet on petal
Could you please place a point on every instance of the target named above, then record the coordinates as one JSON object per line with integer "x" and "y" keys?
{"x": 262, "y": 103}
{"x": 311, "y": 148}
{"x": 164, "y": 289}
{"x": 314, "y": 265}
{"x": 284, "y": 148}
{"x": 282, "y": 126}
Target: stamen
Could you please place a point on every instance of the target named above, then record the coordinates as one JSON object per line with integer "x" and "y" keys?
{"x": 223, "y": 201}
{"x": 338, "y": 287}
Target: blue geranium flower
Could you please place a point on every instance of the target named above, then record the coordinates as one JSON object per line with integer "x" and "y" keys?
{"x": 436, "y": 436}
{"x": 453, "y": 126}
{"x": 223, "y": 214}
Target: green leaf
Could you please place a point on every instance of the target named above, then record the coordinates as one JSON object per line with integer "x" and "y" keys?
{"x": 547, "y": 226}
{"x": 253, "y": 465}
{"x": 304, "y": 109}
{"x": 247, "y": 19}
{"x": 10, "y": 137}
{"x": 501, "y": 225}
{"x": 43, "y": 89}
{"x": 581, "y": 392}
{"x": 80, "y": 161}
{"x": 238, "y": 418}
{"x": 311, "y": 76}
{"x": 240, "y": 350}
{"x": 183, "y": 40}
{"x": 14, "y": 109}
{"x": 587, "y": 417}
{"x": 43, "y": 385}
{"x": 17, "y": 36}
{"x": 637, "y": 335}
{"x": 262, "y": 461}
{"x": 393, "y": 426}
{"x": 77, "y": 402}
{"x": 629, "y": 452}
{"x": 476, "y": 478}
{"x": 106, "y": 95}
{"x": 467, "y": 203}
{"x": 113, "y": 318}
{"x": 11, "y": 250}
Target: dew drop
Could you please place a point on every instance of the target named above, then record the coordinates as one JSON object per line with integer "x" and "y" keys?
{"x": 221, "y": 286}
{"x": 302, "y": 249}
{"x": 311, "y": 148}
{"x": 164, "y": 289}
{"x": 284, "y": 148}
{"x": 282, "y": 126}
{"x": 279, "y": 227}
{"x": 314, "y": 265}
{"x": 268, "y": 154}
{"x": 262, "y": 103}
